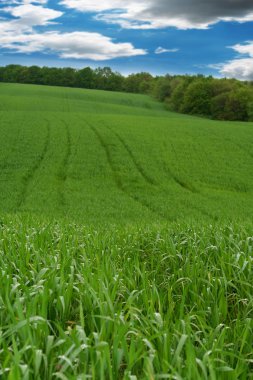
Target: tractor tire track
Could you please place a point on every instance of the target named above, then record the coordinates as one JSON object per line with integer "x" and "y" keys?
{"x": 29, "y": 176}
{"x": 186, "y": 187}
{"x": 62, "y": 172}
{"x": 116, "y": 177}
{"x": 150, "y": 181}
{"x": 137, "y": 165}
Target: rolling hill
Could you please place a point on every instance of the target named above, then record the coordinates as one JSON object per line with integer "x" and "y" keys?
{"x": 125, "y": 239}
{"x": 97, "y": 156}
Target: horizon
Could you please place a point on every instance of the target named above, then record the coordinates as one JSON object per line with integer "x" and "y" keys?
{"x": 186, "y": 38}
{"x": 125, "y": 75}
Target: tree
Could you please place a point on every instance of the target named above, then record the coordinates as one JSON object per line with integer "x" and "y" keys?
{"x": 175, "y": 102}
{"x": 85, "y": 78}
{"x": 162, "y": 88}
{"x": 197, "y": 99}
{"x": 237, "y": 104}
{"x": 218, "y": 104}
{"x": 137, "y": 83}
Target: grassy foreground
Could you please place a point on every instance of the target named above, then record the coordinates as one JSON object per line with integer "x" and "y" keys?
{"x": 154, "y": 303}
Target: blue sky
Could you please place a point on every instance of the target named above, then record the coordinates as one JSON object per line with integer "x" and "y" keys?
{"x": 159, "y": 36}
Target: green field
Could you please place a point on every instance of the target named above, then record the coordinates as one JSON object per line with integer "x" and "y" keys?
{"x": 101, "y": 157}
{"x": 126, "y": 239}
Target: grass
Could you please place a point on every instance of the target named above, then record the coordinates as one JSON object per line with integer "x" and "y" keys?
{"x": 125, "y": 239}
{"x": 99, "y": 157}
{"x": 157, "y": 303}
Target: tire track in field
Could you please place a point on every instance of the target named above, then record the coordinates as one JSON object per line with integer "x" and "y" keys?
{"x": 116, "y": 177}
{"x": 149, "y": 180}
{"x": 186, "y": 187}
{"x": 28, "y": 177}
{"x": 62, "y": 172}
{"x": 137, "y": 165}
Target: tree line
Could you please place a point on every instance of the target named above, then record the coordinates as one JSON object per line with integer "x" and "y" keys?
{"x": 222, "y": 99}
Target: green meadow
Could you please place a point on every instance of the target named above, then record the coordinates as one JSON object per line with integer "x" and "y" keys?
{"x": 126, "y": 240}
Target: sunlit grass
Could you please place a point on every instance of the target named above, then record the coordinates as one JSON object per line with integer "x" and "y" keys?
{"x": 100, "y": 157}
{"x": 152, "y": 303}
{"x": 118, "y": 257}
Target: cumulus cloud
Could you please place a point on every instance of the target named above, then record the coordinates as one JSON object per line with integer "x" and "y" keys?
{"x": 161, "y": 50}
{"x": 241, "y": 67}
{"x": 238, "y": 68}
{"x": 29, "y": 15}
{"x": 246, "y": 48}
{"x": 182, "y": 14}
{"x": 78, "y": 45}
{"x": 20, "y": 35}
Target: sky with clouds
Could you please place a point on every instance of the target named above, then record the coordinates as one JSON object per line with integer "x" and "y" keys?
{"x": 160, "y": 36}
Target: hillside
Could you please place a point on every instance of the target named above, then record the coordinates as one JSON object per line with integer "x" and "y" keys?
{"x": 97, "y": 157}
{"x": 125, "y": 239}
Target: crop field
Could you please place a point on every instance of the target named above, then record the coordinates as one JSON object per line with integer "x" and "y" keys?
{"x": 126, "y": 239}
{"x": 101, "y": 157}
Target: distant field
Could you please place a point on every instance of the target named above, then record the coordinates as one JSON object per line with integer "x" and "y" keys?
{"x": 100, "y": 157}
{"x": 126, "y": 239}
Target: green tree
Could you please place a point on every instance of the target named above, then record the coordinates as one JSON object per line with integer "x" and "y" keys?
{"x": 237, "y": 104}
{"x": 162, "y": 88}
{"x": 197, "y": 98}
{"x": 85, "y": 78}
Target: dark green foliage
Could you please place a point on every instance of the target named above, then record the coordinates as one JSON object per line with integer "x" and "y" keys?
{"x": 106, "y": 79}
{"x": 218, "y": 104}
{"x": 237, "y": 104}
{"x": 232, "y": 105}
{"x": 222, "y": 99}
{"x": 101, "y": 78}
{"x": 197, "y": 98}
{"x": 138, "y": 83}
{"x": 85, "y": 78}
{"x": 175, "y": 102}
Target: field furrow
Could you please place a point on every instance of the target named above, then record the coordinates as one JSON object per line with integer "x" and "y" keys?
{"x": 104, "y": 156}
{"x": 137, "y": 165}
{"x": 63, "y": 169}
{"x": 118, "y": 181}
{"x": 29, "y": 176}
{"x": 126, "y": 248}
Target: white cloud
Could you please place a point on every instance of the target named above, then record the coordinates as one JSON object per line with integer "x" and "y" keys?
{"x": 240, "y": 67}
{"x": 20, "y": 35}
{"x": 247, "y": 48}
{"x": 182, "y": 14}
{"x": 30, "y": 15}
{"x": 78, "y": 45}
{"x": 161, "y": 50}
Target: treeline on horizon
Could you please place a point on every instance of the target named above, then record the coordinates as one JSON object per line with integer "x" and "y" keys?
{"x": 221, "y": 99}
